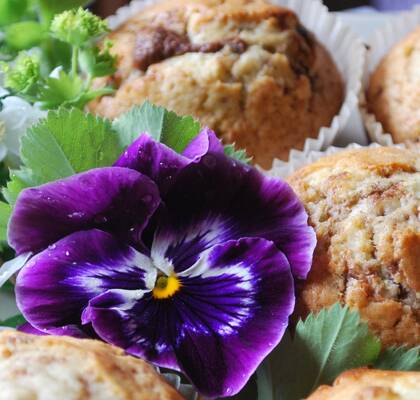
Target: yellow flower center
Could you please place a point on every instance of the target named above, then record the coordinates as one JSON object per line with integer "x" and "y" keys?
{"x": 166, "y": 286}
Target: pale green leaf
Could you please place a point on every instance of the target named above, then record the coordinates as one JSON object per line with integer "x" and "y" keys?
{"x": 265, "y": 381}
{"x": 24, "y": 35}
{"x": 399, "y": 359}
{"x": 65, "y": 143}
{"x": 323, "y": 347}
{"x": 19, "y": 180}
{"x": 238, "y": 154}
{"x": 5, "y": 211}
{"x": 60, "y": 91}
{"x": 164, "y": 126}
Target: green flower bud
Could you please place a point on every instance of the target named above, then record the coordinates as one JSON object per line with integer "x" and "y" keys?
{"x": 78, "y": 27}
{"x": 23, "y": 75}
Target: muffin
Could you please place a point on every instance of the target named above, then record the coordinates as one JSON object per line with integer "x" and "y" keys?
{"x": 246, "y": 68}
{"x": 393, "y": 94}
{"x": 365, "y": 384}
{"x": 364, "y": 205}
{"x": 52, "y": 368}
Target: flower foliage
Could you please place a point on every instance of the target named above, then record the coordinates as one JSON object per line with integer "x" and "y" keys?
{"x": 78, "y": 27}
{"x": 186, "y": 259}
{"x": 24, "y": 75}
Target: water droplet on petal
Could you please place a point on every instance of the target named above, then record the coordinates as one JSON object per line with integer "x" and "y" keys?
{"x": 75, "y": 215}
{"x": 101, "y": 219}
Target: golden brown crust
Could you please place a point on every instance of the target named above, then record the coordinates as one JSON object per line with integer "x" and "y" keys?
{"x": 48, "y": 367}
{"x": 267, "y": 94}
{"x": 365, "y": 384}
{"x": 393, "y": 94}
{"x": 364, "y": 205}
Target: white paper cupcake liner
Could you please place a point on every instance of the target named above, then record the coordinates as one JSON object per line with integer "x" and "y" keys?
{"x": 345, "y": 46}
{"x": 380, "y": 44}
{"x": 283, "y": 169}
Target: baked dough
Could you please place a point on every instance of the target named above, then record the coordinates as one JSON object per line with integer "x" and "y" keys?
{"x": 63, "y": 368}
{"x": 364, "y": 205}
{"x": 246, "y": 68}
{"x": 393, "y": 94}
{"x": 364, "y": 384}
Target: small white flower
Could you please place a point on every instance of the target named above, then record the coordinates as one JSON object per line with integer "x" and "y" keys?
{"x": 16, "y": 116}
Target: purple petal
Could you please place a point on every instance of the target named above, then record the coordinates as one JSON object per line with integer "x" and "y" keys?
{"x": 136, "y": 322}
{"x": 72, "y": 330}
{"x": 55, "y": 286}
{"x": 118, "y": 200}
{"x": 205, "y": 142}
{"x": 161, "y": 163}
{"x": 221, "y": 199}
{"x": 230, "y": 312}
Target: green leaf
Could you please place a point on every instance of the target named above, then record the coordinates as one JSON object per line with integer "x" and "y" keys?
{"x": 265, "y": 381}
{"x": 55, "y": 53}
{"x": 19, "y": 180}
{"x": 8, "y": 288}
{"x": 61, "y": 90}
{"x": 399, "y": 359}
{"x": 97, "y": 63}
{"x": 13, "y": 322}
{"x": 324, "y": 346}
{"x": 65, "y": 143}
{"x": 24, "y": 35}
{"x": 164, "y": 126}
{"x": 12, "y": 11}
{"x": 231, "y": 151}
{"x": 5, "y": 212}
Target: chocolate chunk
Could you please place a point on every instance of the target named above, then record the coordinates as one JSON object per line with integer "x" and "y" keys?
{"x": 237, "y": 45}
{"x": 154, "y": 45}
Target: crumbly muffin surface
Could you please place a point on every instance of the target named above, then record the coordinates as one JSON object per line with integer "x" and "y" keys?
{"x": 364, "y": 384}
{"x": 246, "y": 68}
{"x": 393, "y": 94}
{"x": 61, "y": 368}
{"x": 364, "y": 205}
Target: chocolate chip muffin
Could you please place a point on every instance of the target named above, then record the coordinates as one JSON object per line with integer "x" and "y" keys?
{"x": 246, "y": 68}
{"x": 364, "y": 205}
{"x": 393, "y": 95}
{"x": 61, "y": 368}
{"x": 365, "y": 384}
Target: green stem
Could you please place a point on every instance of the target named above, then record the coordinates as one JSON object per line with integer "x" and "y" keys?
{"x": 74, "y": 61}
{"x": 89, "y": 82}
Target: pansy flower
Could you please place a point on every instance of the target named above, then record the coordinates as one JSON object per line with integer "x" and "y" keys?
{"x": 187, "y": 260}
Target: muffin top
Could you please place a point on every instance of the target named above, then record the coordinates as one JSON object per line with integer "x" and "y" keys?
{"x": 368, "y": 384}
{"x": 393, "y": 94}
{"x": 364, "y": 205}
{"x": 52, "y": 368}
{"x": 246, "y": 68}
